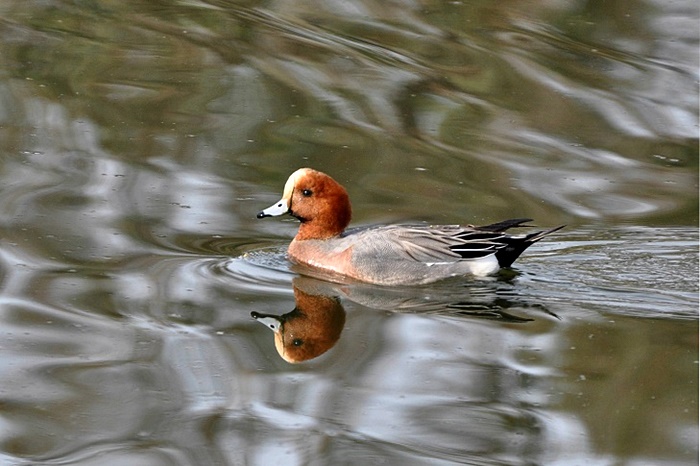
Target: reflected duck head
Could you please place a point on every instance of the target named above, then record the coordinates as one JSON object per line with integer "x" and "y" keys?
{"x": 311, "y": 329}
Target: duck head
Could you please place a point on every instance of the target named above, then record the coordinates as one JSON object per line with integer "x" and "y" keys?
{"x": 319, "y": 202}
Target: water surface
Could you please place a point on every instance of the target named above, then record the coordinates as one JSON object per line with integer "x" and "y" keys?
{"x": 139, "y": 139}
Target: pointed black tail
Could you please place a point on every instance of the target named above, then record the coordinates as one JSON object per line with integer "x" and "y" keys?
{"x": 515, "y": 245}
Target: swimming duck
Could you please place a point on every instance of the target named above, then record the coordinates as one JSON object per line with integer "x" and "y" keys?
{"x": 391, "y": 254}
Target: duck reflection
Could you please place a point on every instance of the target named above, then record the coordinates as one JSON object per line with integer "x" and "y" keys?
{"x": 311, "y": 329}
{"x": 317, "y": 320}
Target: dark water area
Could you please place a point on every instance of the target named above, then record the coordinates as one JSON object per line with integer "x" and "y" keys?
{"x": 138, "y": 140}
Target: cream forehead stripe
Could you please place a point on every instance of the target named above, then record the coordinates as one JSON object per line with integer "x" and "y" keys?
{"x": 292, "y": 181}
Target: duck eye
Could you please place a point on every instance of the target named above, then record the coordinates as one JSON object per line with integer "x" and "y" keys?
{"x": 297, "y": 342}
{"x": 306, "y": 192}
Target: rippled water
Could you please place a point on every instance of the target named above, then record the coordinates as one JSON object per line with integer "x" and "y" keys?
{"x": 139, "y": 139}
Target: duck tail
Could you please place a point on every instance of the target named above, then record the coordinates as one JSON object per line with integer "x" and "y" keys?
{"x": 515, "y": 245}
{"x": 505, "y": 224}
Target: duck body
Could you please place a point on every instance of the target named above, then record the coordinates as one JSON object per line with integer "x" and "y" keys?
{"x": 391, "y": 254}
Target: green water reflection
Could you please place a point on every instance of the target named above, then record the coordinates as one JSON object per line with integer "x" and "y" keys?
{"x": 138, "y": 140}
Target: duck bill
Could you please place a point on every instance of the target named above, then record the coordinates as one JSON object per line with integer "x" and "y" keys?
{"x": 284, "y": 205}
{"x": 278, "y": 208}
{"x": 272, "y": 322}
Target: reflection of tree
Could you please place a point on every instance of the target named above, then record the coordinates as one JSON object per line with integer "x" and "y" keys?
{"x": 510, "y": 87}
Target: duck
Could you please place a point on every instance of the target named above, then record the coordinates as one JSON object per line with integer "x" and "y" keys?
{"x": 389, "y": 255}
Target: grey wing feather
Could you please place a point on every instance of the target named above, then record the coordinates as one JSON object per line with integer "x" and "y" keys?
{"x": 445, "y": 243}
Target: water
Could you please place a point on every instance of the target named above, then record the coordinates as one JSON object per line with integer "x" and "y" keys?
{"x": 139, "y": 140}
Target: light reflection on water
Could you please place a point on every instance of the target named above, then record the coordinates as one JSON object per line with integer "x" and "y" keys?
{"x": 139, "y": 139}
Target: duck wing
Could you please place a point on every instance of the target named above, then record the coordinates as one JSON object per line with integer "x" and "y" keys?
{"x": 431, "y": 244}
{"x": 450, "y": 243}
